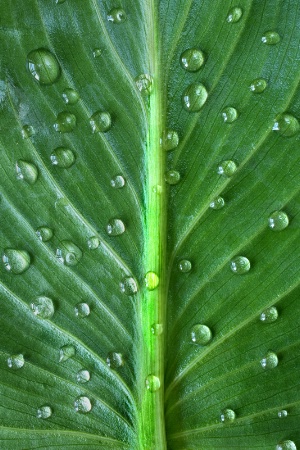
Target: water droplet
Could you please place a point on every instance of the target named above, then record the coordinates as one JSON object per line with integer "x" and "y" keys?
{"x": 240, "y": 265}
{"x": 270, "y": 361}
{"x": 26, "y": 171}
{"x": 44, "y": 233}
{"x": 83, "y": 376}
{"x": 117, "y": 15}
{"x": 217, "y": 203}
{"x": 65, "y": 122}
{"x": 228, "y": 416}
{"x": 59, "y": 2}
{"x": 185, "y": 265}
{"x": 93, "y": 242}
{"x": 43, "y": 307}
{"x": 68, "y": 253}
{"x": 282, "y": 414}
{"x": 194, "y": 97}
{"x": 269, "y": 315}
{"x": 16, "y": 261}
{"x": 82, "y": 310}
{"x": 172, "y": 177}
{"x": 100, "y": 121}
{"x": 278, "y": 220}
{"x": 258, "y": 86}
{"x": 62, "y": 157}
{"x": 157, "y": 189}
{"x": 152, "y": 383}
{"x": 144, "y": 83}
{"x": 83, "y": 405}
{"x": 229, "y": 114}
{"x": 192, "y": 59}
{"x": 234, "y": 15}
{"x": 270, "y": 38}
{"x": 44, "y": 412}
{"x": 70, "y": 96}
{"x": 157, "y": 329}
{"x": 114, "y": 360}
{"x": 286, "y": 445}
{"x": 66, "y": 352}
{"x": 128, "y": 286}
{"x": 97, "y": 52}
{"x": 43, "y": 66}
{"x": 286, "y": 124}
{"x": 170, "y": 140}
{"x": 201, "y": 334}
{"x": 227, "y": 168}
{"x": 16, "y": 361}
{"x": 117, "y": 182}
{"x": 151, "y": 281}
{"x": 27, "y": 131}
{"x": 115, "y": 227}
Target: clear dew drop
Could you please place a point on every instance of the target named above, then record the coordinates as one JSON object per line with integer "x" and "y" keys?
{"x": 65, "y": 122}
{"x": 44, "y": 412}
{"x": 114, "y": 360}
{"x": 192, "y": 59}
{"x": 68, "y": 253}
{"x": 185, "y": 266}
{"x": 16, "y": 361}
{"x": 151, "y": 281}
{"x": 278, "y": 221}
{"x": 201, "y": 334}
{"x": 97, "y": 52}
{"x": 229, "y": 114}
{"x": 234, "y": 15}
{"x": 286, "y": 445}
{"x": 93, "y": 242}
{"x": 194, "y": 97}
{"x": 117, "y": 15}
{"x": 115, "y": 227}
{"x": 228, "y": 416}
{"x": 27, "y": 131}
{"x": 128, "y": 286}
{"x": 270, "y": 361}
{"x": 16, "y": 261}
{"x": 83, "y": 376}
{"x": 83, "y": 405}
{"x": 286, "y": 125}
{"x": 43, "y": 66}
{"x": 70, "y": 96}
{"x": 152, "y": 383}
{"x": 270, "y": 38}
{"x": 240, "y": 265}
{"x": 100, "y": 122}
{"x": 44, "y": 233}
{"x": 227, "y": 168}
{"x": 144, "y": 83}
{"x": 117, "y": 182}
{"x": 258, "y": 85}
{"x": 66, "y": 352}
{"x": 217, "y": 203}
{"x": 62, "y": 157}
{"x": 82, "y": 310}
{"x": 282, "y": 414}
{"x": 269, "y": 315}
{"x": 157, "y": 329}
{"x": 26, "y": 171}
{"x": 172, "y": 177}
{"x": 170, "y": 140}
{"x": 43, "y": 307}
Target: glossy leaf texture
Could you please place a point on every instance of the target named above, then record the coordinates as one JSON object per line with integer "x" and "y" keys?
{"x": 76, "y": 82}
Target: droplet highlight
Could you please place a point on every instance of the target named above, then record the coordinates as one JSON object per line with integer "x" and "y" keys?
{"x": 115, "y": 227}
{"x": 16, "y": 361}
{"x": 68, "y": 253}
{"x": 151, "y": 281}
{"x": 269, "y": 315}
{"x": 43, "y": 307}
{"x": 44, "y": 412}
{"x": 286, "y": 124}
{"x": 83, "y": 405}
{"x": 114, "y": 360}
{"x": 157, "y": 329}
{"x": 16, "y": 261}
{"x": 258, "y": 86}
{"x": 170, "y": 140}
{"x": 270, "y": 361}
{"x": 217, "y": 203}
{"x": 26, "y": 171}
{"x": 93, "y": 242}
{"x": 270, "y": 38}
{"x": 228, "y": 416}
{"x": 117, "y": 16}
{"x": 278, "y": 221}
{"x": 227, "y": 168}
{"x": 286, "y": 445}
{"x": 201, "y": 334}
{"x": 234, "y": 15}
{"x": 194, "y": 97}
{"x": 144, "y": 83}
{"x": 97, "y": 52}
{"x": 172, "y": 177}
{"x": 117, "y": 182}
{"x": 43, "y": 66}
{"x": 240, "y": 265}
{"x": 152, "y": 383}
{"x": 128, "y": 286}
{"x": 185, "y": 266}
{"x": 100, "y": 122}
{"x": 83, "y": 376}
{"x": 66, "y": 352}
{"x": 229, "y": 114}
{"x": 192, "y": 59}
{"x": 282, "y": 414}
{"x": 82, "y": 310}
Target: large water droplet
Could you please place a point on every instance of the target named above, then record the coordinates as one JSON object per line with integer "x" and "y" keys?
{"x": 270, "y": 38}
{"x": 43, "y": 307}
{"x": 192, "y": 59}
{"x": 82, "y": 310}
{"x": 83, "y": 376}
{"x": 229, "y": 114}
{"x": 66, "y": 352}
{"x": 117, "y": 15}
{"x": 185, "y": 265}
{"x": 282, "y": 414}
{"x": 65, "y": 122}
{"x": 172, "y": 177}
{"x": 62, "y": 157}
{"x": 114, "y": 360}
{"x": 170, "y": 140}
{"x": 240, "y": 265}
{"x": 83, "y": 405}
{"x": 227, "y": 168}
{"x": 128, "y": 286}
{"x": 152, "y": 383}
{"x": 93, "y": 242}
{"x": 217, "y": 203}
{"x": 194, "y": 97}
{"x": 157, "y": 329}
{"x": 44, "y": 233}
{"x": 286, "y": 124}
{"x": 269, "y": 315}
{"x": 27, "y": 131}
{"x": 26, "y": 171}
{"x": 115, "y": 227}
{"x": 286, "y": 445}
{"x": 228, "y": 416}
{"x": 270, "y": 361}
{"x": 144, "y": 83}
{"x": 117, "y": 182}
{"x": 278, "y": 220}
{"x": 16, "y": 261}
{"x": 43, "y": 66}
{"x": 68, "y": 253}
{"x": 201, "y": 334}
{"x": 100, "y": 122}
{"x": 258, "y": 86}
{"x": 151, "y": 281}
{"x": 234, "y": 15}
{"x": 16, "y": 361}
{"x": 44, "y": 412}
{"x": 70, "y": 96}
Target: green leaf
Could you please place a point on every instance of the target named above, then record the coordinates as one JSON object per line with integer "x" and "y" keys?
{"x": 149, "y": 224}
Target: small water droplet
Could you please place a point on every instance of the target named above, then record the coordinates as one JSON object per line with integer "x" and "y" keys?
{"x": 192, "y": 59}
{"x": 43, "y": 66}
{"x": 144, "y": 83}
{"x": 269, "y": 315}
{"x": 83, "y": 405}
{"x": 170, "y": 140}
{"x": 229, "y": 114}
{"x": 286, "y": 445}
{"x": 117, "y": 182}
{"x": 26, "y": 171}
{"x": 270, "y": 38}
{"x": 240, "y": 265}
{"x": 282, "y": 414}
{"x": 278, "y": 220}
{"x": 157, "y": 189}
{"x": 43, "y": 307}
{"x": 114, "y": 360}
{"x": 27, "y": 131}
{"x": 82, "y": 310}
{"x": 65, "y": 122}
{"x": 227, "y": 168}
{"x": 70, "y": 96}
{"x": 270, "y": 361}
{"x": 157, "y": 329}
{"x": 194, "y": 97}
{"x": 258, "y": 86}
{"x": 128, "y": 286}
{"x": 100, "y": 122}
{"x": 16, "y": 261}
{"x": 68, "y": 253}
{"x": 201, "y": 334}
{"x": 44, "y": 233}
{"x": 117, "y": 15}
{"x": 97, "y": 52}
{"x": 93, "y": 242}
{"x": 185, "y": 265}
{"x": 59, "y": 2}
{"x": 83, "y": 376}
{"x": 172, "y": 177}
{"x": 115, "y": 227}
{"x": 66, "y": 352}
{"x": 62, "y": 157}
{"x": 16, "y": 361}
{"x": 151, "y": 281}
{"x": 228, "y": 416}
{"x": 286, "y": 124}
{"x": 44, "y": 412}
{"x": 152, "y": 383}
{"x": 217, "y": 203}
{"x": 234, "y": 15}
